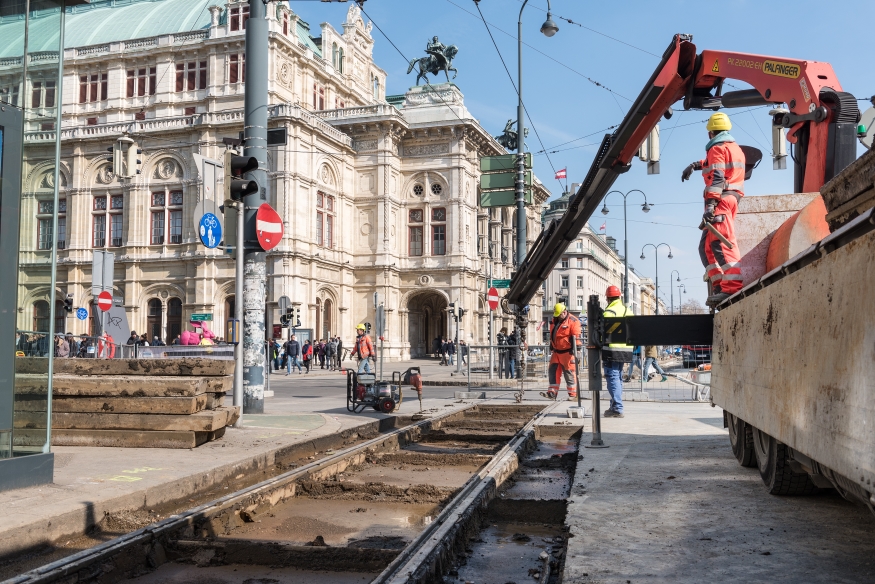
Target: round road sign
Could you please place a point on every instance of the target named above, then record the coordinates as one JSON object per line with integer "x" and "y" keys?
{"x": 268, "y": 227}
{"x": 492, "y": 298}
{"x": 210, "y": 230}
{"x": 82, "y": 314}
{"x": 104, "y": 301}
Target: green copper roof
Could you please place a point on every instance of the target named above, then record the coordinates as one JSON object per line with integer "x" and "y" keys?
{"x": 305, "y": 37}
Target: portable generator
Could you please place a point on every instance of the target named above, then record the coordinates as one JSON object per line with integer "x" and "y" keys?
{"x": 363, "y": 390}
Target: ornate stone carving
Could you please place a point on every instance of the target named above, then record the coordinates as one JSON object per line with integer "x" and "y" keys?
{"x": 326, "y": 175}
{"x": 434, "y": 97}
{"x": 425, "y": 280}
{"x": 105, "y": 175}
{"x": 427, "y": 149}
{"x": 285, "y": 74}
{"x": 166, "y": 168}
{"x": 364, "y": 145}
{"x": 353, "y": 14}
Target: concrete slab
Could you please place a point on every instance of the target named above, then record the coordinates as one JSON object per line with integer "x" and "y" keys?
{"x": 667, "y": 502}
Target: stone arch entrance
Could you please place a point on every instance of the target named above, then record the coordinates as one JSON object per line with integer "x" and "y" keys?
{"x": 426, "y": 320}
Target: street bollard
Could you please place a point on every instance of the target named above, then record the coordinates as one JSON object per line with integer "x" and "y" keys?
{"x": 594, "y": 354}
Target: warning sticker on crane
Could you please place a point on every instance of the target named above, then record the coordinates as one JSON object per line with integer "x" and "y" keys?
{"x": 716, "y": 67}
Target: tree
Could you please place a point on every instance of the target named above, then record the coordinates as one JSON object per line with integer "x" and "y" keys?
{"x": 693, "y": 306}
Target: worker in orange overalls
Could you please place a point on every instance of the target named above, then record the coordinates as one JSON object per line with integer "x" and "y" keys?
{"x": 566, "y": 328}
{"x": 723, "y": 171}
{"x": 363, "y": 349}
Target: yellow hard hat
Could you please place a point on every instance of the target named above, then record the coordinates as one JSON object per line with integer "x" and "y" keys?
{"x": 558, "y": 309}
{"x": 360, "y": 327}
{"x": 718, "y": 123}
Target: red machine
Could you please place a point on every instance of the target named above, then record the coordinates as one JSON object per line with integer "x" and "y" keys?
{"x": 821, "y": 121}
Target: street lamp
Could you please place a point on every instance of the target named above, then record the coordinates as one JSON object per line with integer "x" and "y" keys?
{"x": 656, "y": 257}
{"x": 680, "y": 303}
{"x": 671, "y": 289}
{"x": 549, "y": 28}
{"x": 645, "y": 207}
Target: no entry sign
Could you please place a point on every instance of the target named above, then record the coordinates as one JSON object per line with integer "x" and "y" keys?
{"x": 104, "y": 301}
{"x": 268, "y": 227}
{"x": 492, "y": 298}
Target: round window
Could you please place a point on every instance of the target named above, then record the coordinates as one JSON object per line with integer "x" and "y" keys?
{"x": 436, "y": 189}
{"x": 418, "y": 190}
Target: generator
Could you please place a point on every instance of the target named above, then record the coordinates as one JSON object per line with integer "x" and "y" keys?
{"x": 363, "y": 391}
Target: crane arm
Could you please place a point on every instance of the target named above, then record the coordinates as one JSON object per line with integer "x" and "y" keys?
{"x": 821, "y": 119}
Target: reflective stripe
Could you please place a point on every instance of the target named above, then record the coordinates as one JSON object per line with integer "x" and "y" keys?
{"x": 728, "y": 266}
{"x": 714, "y": 191}
{"x": 734, "y": 187}
{"x": 710, "y": 267}
{"x": 732, "y": 277}
{"x": 717, "y": 276}
{"x": 725, "y": 165}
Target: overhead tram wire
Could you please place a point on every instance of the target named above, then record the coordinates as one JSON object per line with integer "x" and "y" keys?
{"x": 521, "y": 134}
{"x": 590, "y": 79}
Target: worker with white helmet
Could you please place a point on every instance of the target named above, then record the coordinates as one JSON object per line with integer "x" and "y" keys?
{"x": 723, "y": 171}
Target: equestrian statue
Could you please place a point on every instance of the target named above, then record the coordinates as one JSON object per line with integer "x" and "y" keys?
{"x": 440, "y": 58}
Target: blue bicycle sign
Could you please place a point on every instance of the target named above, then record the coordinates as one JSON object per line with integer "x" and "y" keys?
{"x": 210, "y": 230}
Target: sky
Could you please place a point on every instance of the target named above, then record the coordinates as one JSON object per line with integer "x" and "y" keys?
{"x": 583, "y": 80}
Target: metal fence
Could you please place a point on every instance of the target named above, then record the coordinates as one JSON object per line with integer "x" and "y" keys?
{"x": 38, "y": 344}
{"x": 171, "y": 351}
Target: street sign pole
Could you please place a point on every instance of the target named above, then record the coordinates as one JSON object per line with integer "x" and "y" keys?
{"x": 251, "y": 301}
{"x": 238, "y": 315}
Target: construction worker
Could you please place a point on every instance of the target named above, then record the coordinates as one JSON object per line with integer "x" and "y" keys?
{"x": 363, "y": 349}
{"x": 563, "y": 336}
{"x": 616, "y": 355}
{"x": 723, "y": 171}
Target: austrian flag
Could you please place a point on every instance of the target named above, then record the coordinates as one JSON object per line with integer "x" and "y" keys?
{"x": 561, "y": 173}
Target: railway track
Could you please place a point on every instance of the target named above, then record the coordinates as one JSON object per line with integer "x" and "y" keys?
{"x": 417, "y": 504}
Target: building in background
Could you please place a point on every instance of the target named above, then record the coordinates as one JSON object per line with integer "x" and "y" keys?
{"x": 378, "y": 193}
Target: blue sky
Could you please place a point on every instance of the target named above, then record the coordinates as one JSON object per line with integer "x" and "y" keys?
{"x": 617, "y": 46}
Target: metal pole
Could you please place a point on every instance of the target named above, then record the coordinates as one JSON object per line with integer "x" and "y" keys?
{"x": 491, "y": 325}
{"x": 656, "y": 260}
{"x": 521, "y": 151}
{"x": 238, "y": 315}
{"x": 594, "y": 351}
{"x": 254, "y": 269}
{"x": 625, "y": 254}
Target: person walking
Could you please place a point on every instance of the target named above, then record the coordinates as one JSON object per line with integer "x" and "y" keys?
{"x": 307, "y": 355}
{"x": 723, "y": 171}
{"x": 436, "y": 347}
{"x": 339, "y": 352}
{"x": 463, "y": 352}
{"x": 293, "y": 355}
{"x": 451, "y": 351}
{"x": 636, "y": 360}
{"x": 501, "y": 339}
{"x": 62, "y": 347}
{"x": 651, "y": 356}
{"x": 363, "y": 349}
{"x": 74, "y": 346}
{"x": 563, "y": 341}
{"x": 616, "y": 355}
{"x": 330, "y": 352}
{"x": 513, "y": 355}
{"x": 443, "y": 352}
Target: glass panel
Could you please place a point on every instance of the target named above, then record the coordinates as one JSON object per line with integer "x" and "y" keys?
{"x": 29, "y": 180}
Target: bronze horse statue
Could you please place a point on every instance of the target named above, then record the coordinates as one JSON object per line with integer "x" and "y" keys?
{"x": 435, "y": 63}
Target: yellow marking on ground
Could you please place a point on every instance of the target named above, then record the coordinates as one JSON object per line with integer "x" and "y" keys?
{"x": 125, "y": 479}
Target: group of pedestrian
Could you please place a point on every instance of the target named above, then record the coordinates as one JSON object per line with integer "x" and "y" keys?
{"x": 446, "y": 350}
{"x": 508, "y": 354}
{"x": 65, "y": 346}
{"x": 291, "y": 355}
{"x": 651, "y": 357}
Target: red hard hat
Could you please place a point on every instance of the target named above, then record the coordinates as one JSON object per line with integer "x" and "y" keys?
{"x": 613, "y": 292}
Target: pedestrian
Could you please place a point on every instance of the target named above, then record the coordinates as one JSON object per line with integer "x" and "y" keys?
{"x": 443, "y": 351}
{"x": 157, "y": 342}
{"x": 364, "y": 349}
{"x": 723, "y": 170}
{"x": 292, "y": 350}
{"x": 616, "y": 355}
{"x": 175, "y": 341}
{"x": 513, "y": 355}
{"x": 339, "y": 352}
{"x": 651, "y": 355}
{"x": 636, "y": 360}
{"x": 501, "y": 340}
{"x": 307, "y": 354}
{"x": 277, "y": 353}
{"x": 563, "y": 341}
{"x": 63, "y": 347}
{"x": 436, "y": 346}
{"x": 463, "y": 351}
{"x": 330, "y": 352}
{"x": 134, "y": 339}
{"x": 451, "y": 351}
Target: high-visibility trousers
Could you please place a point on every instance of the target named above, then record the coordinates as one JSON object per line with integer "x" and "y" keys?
{"x": 562, "y": 364}
{"x": 722, "y": 263}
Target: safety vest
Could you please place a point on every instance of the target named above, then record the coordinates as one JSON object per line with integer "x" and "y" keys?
{"x": 562, "y": 334}
{"x": 363, "y": 347}
{"x": 723, "y": 168}
{"x": 617, "y": 352}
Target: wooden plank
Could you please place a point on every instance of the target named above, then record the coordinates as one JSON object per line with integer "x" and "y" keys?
{"x": 117, "y": 405}
{"x": 204, "y": 421}
{"x": 118, "y": 438}
{"x": 122, "y": 385}
{"x": 185, "y": 366}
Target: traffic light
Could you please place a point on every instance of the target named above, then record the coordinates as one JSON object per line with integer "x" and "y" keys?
{"x": 68, "y": 303}
{"x": 236, "y": 188}
{"x": 134, "y": 163}
{"x": 296, "y": 316}
{"x": 125, "y": 161}
{"x": 461, "y": 313}
{"x": 452, "y": 310}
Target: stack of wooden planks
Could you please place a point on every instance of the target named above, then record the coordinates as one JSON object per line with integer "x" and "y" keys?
{"x": 139, "y": 403}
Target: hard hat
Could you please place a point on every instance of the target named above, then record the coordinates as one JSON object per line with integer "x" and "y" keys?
{"x": 718, "y": 123}
{"x": 558, "y": 309}
{"x": 613, "y": 292}
{"x": 360, "y": 327}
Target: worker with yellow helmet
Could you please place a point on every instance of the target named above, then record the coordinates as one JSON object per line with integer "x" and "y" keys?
{"x": 363, "y": 349}
{"x": 563, "y": 335}
{"x": 723, "y": 171}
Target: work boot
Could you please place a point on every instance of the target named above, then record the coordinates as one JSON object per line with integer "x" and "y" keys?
{"x": 548, "y": 394}
{"x": 572, "y": 397}
{"x": 664, "y": 378}
{"x": 716, "y": 299}
{"x": 612, "y": 414}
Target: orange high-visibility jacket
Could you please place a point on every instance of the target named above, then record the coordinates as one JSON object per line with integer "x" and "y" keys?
{"x": 560, "y": 336}
{"x": 723, "y": 169}
{"x": 363, "y": 347}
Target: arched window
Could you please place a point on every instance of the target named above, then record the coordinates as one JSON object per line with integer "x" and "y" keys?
{"x": 41, "y": 316}
{"x": 376, "y": 88}
{"x": 340, "y": 60}
{"x": 174, "y": 319}
{"x": 334, "y": 55}
{"x": 327, "y": 307}
{"x": 60, "y": 317}
{"x": 153, "y": 320}
{"x": 318, "y": 330}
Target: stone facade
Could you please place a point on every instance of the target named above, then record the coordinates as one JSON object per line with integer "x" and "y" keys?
{"x": 375, "y": 197}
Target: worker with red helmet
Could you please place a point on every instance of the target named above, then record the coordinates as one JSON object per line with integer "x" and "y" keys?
{"x": 565, "y": 331}
{"x": 723, "y": 171}
{"x": 615, "y": 355}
